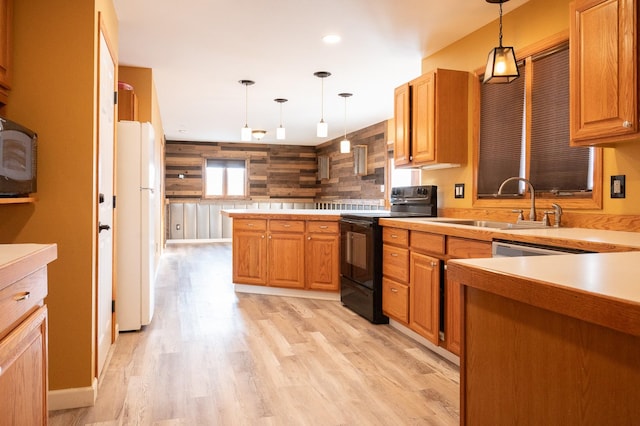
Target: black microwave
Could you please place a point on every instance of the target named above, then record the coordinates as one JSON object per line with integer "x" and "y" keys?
{"x": 18, "y": 158}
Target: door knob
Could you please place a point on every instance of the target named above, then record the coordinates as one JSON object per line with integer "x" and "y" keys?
{"x": 102, "y": 227}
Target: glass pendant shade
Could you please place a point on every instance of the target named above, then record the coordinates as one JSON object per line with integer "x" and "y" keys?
{"x": 322, "y": 129}
{"x": 501, "y": 63}
{"x": 501, "y": 66}
{"x": 245, "y": 133}
{"x": 345, "y": 146}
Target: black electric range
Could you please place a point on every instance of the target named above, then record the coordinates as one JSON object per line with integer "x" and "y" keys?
{"x": 361, "y": 248}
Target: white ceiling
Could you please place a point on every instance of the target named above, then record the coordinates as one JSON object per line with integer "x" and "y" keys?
{"x": 200, "y": 49}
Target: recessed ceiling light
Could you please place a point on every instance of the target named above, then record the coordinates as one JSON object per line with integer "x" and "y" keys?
{"x": 331, "y": 39}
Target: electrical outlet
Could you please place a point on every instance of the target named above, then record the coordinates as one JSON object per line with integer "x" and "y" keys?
{"x": 617, "y": 186}
{"x": 458, "y": 190}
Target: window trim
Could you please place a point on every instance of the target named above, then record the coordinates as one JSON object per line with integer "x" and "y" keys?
{"x": 542, "y": 201}
{"x": 246, "y": 195}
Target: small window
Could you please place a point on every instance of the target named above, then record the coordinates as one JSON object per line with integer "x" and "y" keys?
{"x": 225, "y": 178}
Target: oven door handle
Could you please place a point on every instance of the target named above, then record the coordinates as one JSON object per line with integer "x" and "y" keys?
{"x": 363, "y": 223}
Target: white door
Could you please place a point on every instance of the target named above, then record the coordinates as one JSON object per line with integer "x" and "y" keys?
{"x": 104, "y": 292}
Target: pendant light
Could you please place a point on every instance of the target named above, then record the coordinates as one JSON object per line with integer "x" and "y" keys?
{"x": 322, "y": 129}
{"x": 245, "y": 133}
{"x": 280, "y": 132}
{"x": 345, "y": 145}
{"x": 501, "y": 64}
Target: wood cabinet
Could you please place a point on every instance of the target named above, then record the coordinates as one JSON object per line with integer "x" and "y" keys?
{"x": 431, "y": 119}
{"x": 604, "y": 72}
{"x": 295, "y": 254}
{"x": 322, "y": 256}
{"x": 424, "y": 296}
{"x": 395, "y": 271}
{"x": 23, "y": 333}
{"x": 285, "y": 248}
{"x": 412, "y": 266}
{"x": 6, "y": 29}
{"x": 250, "y": 251}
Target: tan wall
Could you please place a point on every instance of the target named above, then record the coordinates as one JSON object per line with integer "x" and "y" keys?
{"x": 55, "y": 51}
{"x": 530, "y": 23}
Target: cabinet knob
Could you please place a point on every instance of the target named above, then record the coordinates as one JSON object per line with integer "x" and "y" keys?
{"x": 434, "y": 264}
{"x": 269, "y": 236}
{"x": 309, "y": 238}
{"x": 627, "y": 124}
{"x": 262, "y": 236}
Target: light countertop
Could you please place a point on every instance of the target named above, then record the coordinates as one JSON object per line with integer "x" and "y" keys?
{"x": 19, "y": 260}
{"x": 597, "y": 240}
{"x": 602, "y": 288}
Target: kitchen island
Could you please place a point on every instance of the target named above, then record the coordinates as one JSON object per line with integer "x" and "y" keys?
{"x": 550, "y": 339}
{"x": 290, "y": 252}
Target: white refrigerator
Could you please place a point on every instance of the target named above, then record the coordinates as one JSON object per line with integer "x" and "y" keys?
{"x": 136, "y": 219}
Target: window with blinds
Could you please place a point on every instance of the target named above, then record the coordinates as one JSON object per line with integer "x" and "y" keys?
{"x": 225, "y": 178}
{"x": 542, "y": 153}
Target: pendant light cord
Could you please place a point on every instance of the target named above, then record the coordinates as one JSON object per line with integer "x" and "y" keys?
{"x": 246, "y": 105}
{"x": 500, "y": 39}
{"x": 322, "y": 99}
{"x": 345, "y": 117}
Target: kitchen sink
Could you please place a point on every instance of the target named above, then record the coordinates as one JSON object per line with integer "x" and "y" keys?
{"x": 494, "y": 224}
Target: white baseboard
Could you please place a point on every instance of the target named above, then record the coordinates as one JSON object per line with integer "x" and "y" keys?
{"x": 433, "y": 348}
{"x": 277, "y": 291}
{"x": 199, "y": 241}
{"x": 64, "y": 399}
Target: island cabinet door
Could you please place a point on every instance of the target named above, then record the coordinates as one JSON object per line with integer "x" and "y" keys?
{"x": 424, "y": 296}
{"x": 322, "y": 255}
{"x": 249, "y": 257}
{"x": 286, "y": 260}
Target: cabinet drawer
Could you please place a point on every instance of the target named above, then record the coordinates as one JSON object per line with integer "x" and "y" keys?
{"x": 20, "y": 298}
{"x": 424, "y": 241}
{"x": 250, "y": 224}
{"x": 395, "y": 262}
{"x": 464, "y": 248}
{"x": 322, "y": 227}
{"x": 286, "y": 225}
{"x": 395, "y": 300}
{"x": 395, "y": 236}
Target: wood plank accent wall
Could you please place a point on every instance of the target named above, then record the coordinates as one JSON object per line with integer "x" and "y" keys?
{"x": 342, "y": 182}
{"x": 282, "y": 171}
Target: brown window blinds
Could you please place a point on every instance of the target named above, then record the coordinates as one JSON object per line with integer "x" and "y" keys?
{"x": 554, "y": 165}
{"x": 546, "y": 159}
{"x": 501, "y": 133}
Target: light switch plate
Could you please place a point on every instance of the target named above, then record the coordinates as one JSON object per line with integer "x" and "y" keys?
{"x": 458, "y": 190}
{"x": 618, "y": 186}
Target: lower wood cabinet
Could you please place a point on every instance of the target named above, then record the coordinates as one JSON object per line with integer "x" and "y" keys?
{"x": 395, "y": 300}
{"x": 293, "y": 254}
{"x": 322, "y": 256}
{"x": 286, "y": 259}
{"x": 424, "y": 296}
{"x": 250, "y": 251}
{"x": 23, "y": 375}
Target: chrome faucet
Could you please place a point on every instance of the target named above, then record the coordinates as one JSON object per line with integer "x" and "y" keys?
{"x": 532, "y": 212}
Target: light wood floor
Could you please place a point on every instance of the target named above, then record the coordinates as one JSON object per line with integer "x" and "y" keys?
{"x": 214, "y": 357}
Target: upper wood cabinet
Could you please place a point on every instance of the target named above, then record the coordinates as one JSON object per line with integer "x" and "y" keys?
{"x": 431, "y": 119}
{"x": 5, "y": 48}
{"x": 603, "y": 69}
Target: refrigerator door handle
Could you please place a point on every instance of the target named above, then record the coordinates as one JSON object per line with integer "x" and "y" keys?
{"x": 150, "y": 189}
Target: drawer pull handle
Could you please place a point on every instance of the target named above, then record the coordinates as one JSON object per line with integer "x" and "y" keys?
{"x": 250, "y": 224}
{"x": 394, "y": 254}
{"x": 286, "y": 225}
{"x": 394, "y": 236}
{"x": 394, "y": 290}
{"x": 323, "y": 226}
{"x": 21, "y": 296}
